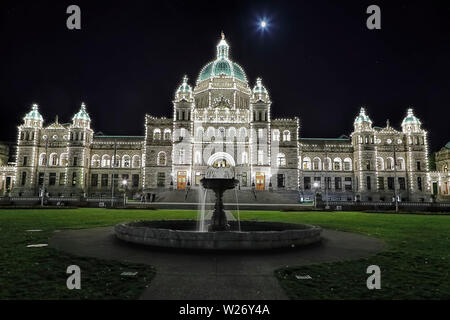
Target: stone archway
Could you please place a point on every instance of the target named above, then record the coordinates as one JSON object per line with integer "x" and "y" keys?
{"x": 221, "y": 157}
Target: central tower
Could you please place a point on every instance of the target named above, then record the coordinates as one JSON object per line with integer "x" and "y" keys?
{"x": 222, "y": 80}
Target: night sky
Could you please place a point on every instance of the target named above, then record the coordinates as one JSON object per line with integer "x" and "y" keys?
{"x": 318, "y": 60}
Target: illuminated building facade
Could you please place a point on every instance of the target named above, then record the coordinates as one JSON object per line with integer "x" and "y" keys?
{"x": 222, "y": 121}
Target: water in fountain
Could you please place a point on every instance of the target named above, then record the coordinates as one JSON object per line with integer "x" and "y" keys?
{"x": 201, "y": 225}
{"x": 237, "y": 207}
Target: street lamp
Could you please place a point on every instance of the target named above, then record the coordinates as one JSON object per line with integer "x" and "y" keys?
{"x": 124, "y": 184}
{"x": 316, "y": 185}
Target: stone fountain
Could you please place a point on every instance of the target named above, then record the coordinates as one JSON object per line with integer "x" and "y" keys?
{"x": 221, "y": 234}
{"x": 219, "y": 180}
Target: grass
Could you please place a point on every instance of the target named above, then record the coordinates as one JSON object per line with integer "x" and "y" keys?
{"x": 40, "y": 273}
{"x": 415, "y": 265}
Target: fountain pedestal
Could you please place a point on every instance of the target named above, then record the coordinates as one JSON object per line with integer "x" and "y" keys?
{"x": 219, "y": 220}
{"x": 219, "y": 186}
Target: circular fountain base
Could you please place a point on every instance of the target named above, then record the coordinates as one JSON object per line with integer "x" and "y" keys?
{"x": 254, "y": 235}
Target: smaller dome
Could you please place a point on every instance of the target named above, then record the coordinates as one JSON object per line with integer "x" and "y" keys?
{"x": 410, "y": 118}
{"x": 34, "y": 114}
{"x": 362, "y": 117}
{"x": 82, "y": 114}
{"x": 448, "y": 145}
{"x": 259, "y": 88}
{"x": 185, "y": 87}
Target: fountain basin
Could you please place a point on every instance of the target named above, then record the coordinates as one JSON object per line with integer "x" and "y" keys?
{"x": 255, "y": 235}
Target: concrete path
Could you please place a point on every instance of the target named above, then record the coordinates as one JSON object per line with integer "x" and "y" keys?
{"x": 202, "y": 276}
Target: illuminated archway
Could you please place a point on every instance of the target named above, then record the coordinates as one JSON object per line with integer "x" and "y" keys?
{"x": 221, "y": 156}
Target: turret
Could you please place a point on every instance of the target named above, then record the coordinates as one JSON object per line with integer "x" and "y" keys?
{"x": 362, "y": 121}
{"x": 411, "y": 123}
{"x": 184, "y": 91}
{"x": 33, "y": 119}
{"x": 260, "y": 93}
{"x": 82, "y": 119}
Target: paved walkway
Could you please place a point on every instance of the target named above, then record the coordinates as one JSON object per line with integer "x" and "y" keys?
{"x": 202, "y": 276}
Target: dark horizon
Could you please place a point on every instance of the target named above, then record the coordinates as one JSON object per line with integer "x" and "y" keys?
{"x": 318, "y": 61}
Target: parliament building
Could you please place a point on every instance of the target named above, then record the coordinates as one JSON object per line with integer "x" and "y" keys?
{"x": 221, "y": 121}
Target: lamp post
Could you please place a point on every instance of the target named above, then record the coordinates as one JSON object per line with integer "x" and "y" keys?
{"x": 239, "y": 179}
{"x": 124, "y": 185}
{"x": 45, "y": 171}
{"x": 395, "y": 178}
{"x": 113, "y": 164}
{"x": 316, "y": 185}
{"x": 327, "y": 207}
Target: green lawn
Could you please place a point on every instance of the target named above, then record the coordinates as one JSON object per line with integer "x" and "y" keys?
{"x": 415, "y": 265}
{"x": 40, "y": 273}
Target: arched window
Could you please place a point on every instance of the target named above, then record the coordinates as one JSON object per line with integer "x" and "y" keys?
{"x": 306, "y": 163}
{"x": 126, "y": 161}
{"x": 200, "y": 132}
{"x": 53, "y": 159}
{"x": 244, "y": 157}
{"x": 231, "y": 133}
{"x": 380, "y": 164}
{"x": 260, "y": 157}
{"x": 210, "y": 133}
{"x": 95, "y": 162}
{"x": 445, "y": 168}
{"x": 221, "y": 132}
{"x": 157, "y": 134}
{"x": 316, "y": 164}
{"x": 161, "y": 160}
{"x": 181, "y": 156}
{"x": 136, "y": 161}
{"x": 400, "y": 164}
{"x": 167, "y": 134}
{"x": 347, "y": 164}
{"x": 327, "y": 164}
{"x": 183, "y": 133}
{"x": 106, "y": 161}
{"x": 198, "y": 157}
{"x": 337, "y": 164}
{"x": 64, "y": 159}
{"x": 389, "y": 163}
{"x": 286, "y": 135}
{"x": 281, "y": 160}
{"x": 43, "y": 159}
{"x": 276, "y": 135}
{"x": 242, "y": 132}
{"x": 116, "y": 161}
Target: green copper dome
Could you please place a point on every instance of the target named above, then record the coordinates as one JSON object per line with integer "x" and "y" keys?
{"x": 82, "y": 114}
{"x": 362, "y": 117}
{"x": 410, "y": 118}
{"x": 222, "y": 66}
{"x": 259, "y": 88}
{"x": 184, "y": 87}
{"x": 34, "y": 114}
